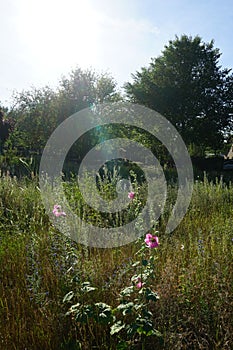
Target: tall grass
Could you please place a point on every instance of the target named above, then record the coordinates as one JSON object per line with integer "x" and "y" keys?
{"x": 39, "y": 266}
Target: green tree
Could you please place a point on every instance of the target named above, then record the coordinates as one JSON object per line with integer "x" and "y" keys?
{"x": 37, "y": 112}
{"x": 187, "y": 85}
{"x": 84, "y": 88}
{"x": 6, "y": 127}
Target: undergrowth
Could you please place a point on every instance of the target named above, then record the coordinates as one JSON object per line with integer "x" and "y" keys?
{"x": 192, "y": 277}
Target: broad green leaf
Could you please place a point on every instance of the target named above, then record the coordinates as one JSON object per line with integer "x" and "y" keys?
{"x": 117, "y": 327}
{"x": 125, "y": 306}
{"x": 68, "y": 296}
{"x": 123, "y": 345}
{"x": 150, "y": 295}
{"x": 127, "y": 291}
{"x": 86, "y": 287}
{"x": 104, "y": 313}
{"x": 144, "y": 262}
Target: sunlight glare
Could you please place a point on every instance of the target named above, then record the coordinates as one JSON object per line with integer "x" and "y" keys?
{"x": 60, "y": 33}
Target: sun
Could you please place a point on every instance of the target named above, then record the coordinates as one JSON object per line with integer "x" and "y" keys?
{"x": 59, "y": 32}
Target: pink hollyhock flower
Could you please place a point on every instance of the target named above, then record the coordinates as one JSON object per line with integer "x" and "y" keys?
{"x": 57, "y": 211}
{"x": 151, "y": 241}
{"x": 131, "y": 195}
{"x": 139, "y": 283}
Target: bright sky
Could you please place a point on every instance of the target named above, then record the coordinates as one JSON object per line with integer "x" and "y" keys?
{"x": 42, "y": 40}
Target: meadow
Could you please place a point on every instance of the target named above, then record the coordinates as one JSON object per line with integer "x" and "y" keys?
{"x": 56, "y": 294}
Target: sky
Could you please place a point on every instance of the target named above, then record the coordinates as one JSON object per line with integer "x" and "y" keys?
{"x": 44, "y": 40}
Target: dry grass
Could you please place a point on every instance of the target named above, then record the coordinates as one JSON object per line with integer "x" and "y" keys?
{"x": 194, "y": 276}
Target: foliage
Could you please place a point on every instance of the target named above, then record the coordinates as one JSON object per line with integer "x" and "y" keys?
{"x": 6, "y": 127}
{"x": 37, "y": 112}
{"x": 57, "y": 294}
{"x": 192, "y": 274}
{"x": 187, "y": 85}
{"x": 136, "y": 320}
{"x": 133, "y": 307}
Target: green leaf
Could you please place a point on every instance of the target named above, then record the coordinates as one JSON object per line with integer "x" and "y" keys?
{"x": 123, "y": 345}
{"x": 157, "y": 333}
{"x": 125, "y": 306}
{"x": 75, "y": 307}
{"x": 68, "y": 296}
{"x": 86, "y": 287}
{"x": 150, "y": 333}
{"x": 104, "y": 313}
{"x": 150, "y": 295}
{"x": 145, "y": 326}
{"x": 117, "y": 327}
{"x": 142, "y": 330}
{"x": 83, "y": 314}
{"x": 144, "y": 262}
{"x": 147, "y": 314}
{"x": 127, "y": 291}
{"x": 132, "y": 329}
{"x": 138, "y": 306}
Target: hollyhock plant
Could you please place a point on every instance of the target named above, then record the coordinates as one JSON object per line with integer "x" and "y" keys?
{"x": 57, "y": 211}
{"x": 139, "y": 283}
{"x": 151, "y": 240}
{"x": 131, "y": 195}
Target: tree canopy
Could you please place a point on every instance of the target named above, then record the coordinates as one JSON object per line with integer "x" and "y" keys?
{"x": 37, "y": 112}
{"x": 6, "y": 127}
{"x": 187, "y": 85}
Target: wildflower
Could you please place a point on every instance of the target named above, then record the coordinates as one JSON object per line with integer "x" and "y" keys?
{"x": 131, "y": 195}
{"x": 151, "y": 241}
{"x": 182, "y": 247}
{"x": 57, "y": 211}
{"x": 139, "y": 283}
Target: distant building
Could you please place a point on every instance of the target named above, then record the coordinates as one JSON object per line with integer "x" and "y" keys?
{"x": 230, "y": 153}
{"x": 228, "y": 160}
